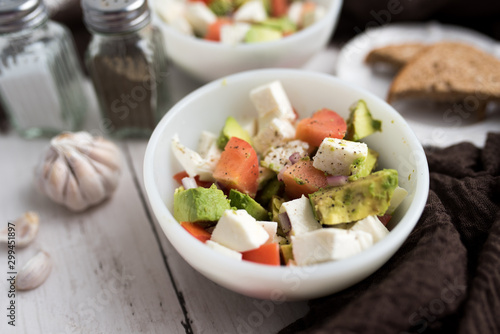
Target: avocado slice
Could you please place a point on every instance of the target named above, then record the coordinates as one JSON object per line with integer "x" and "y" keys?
{"x": 199, "y": 204}
{"x": 232, "y": 129}
{"x": 286, "y": 253}
{"x": 366, "y": 166}
{"x": 258, "y": 33}
{"x": 370, "y": 195}
{"x": 360, "y": 123}
{"x": 221, "y": 7}
{"x": 283, "y": 24}
{"x": 243, "y": 201}
{"x": 271, "y": 188}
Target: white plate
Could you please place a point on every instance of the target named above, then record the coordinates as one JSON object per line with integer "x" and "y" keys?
{"x": 434, "y": 124}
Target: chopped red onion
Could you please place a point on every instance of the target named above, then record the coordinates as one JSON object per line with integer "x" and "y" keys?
{"x": 285, "y": 223}
{"x": 336, "y": 180}
{"x": 295, "y": 157}
{"x": 189, "y": 183}
{"x": 280, "y": 174}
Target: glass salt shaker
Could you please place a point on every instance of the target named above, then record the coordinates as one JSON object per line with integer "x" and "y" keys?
{"x": 127, "y": 63}
{"x": 41, "y": 81}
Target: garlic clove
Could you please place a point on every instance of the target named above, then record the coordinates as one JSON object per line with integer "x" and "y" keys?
{"x": 74, "y": 199}
{"x": 109, "y": 177}
{"x": 26, "y": 228}
{"x": 34, "y": 272}
{"x": 86, "y": 176}
{"x": 110, "y": 158}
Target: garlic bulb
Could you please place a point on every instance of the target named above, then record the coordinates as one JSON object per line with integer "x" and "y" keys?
{"x": 79, "y": 170}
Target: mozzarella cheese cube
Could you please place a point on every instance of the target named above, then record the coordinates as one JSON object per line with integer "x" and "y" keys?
{"x": 295, "y": 12}
{"x": 233, "y": 34}
{"x": 301, "y": 216}
{"x": 223, "y": 250}
{"x": 328, "y": 244}
{"x": 170, "y": 10}
{"x": 373, "y": 226}
{"x": 271, "y": 101}
{"x": 251, "y": 11}
{"x": 336, "y": 156}
{"x": 278, "y": 132}
{"x": 191, "y": 161}
{"x": 271, "y": 229}
{"x": 200, "y": 16}
{"x": 239, "y": 231}
{"x": 397, "y": 197}
{"x": 207, "y": 147}
{"x": 277, "y": 157}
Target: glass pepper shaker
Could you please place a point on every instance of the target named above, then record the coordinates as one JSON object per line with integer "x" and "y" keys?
{"x": 41, "y": 80}
{"x": 127, "y": 63}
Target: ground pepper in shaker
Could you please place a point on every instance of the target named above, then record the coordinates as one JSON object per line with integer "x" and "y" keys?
{"x": 41, "y": 81}
{"x": 127, "y": 63}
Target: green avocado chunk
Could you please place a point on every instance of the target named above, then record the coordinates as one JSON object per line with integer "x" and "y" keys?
{"x": 370, "y": 195}
{"x": 360, "y": 123}
{"x": 243, "y": 201}
{"x": 221, "y": 7}
{"x": 286, "y": 253}
{"x": 199, "y": 204}
{"x": 272, "y": 188}
{"x": 232, "y": 129}
{"x": 283, "y": 24}
{"x": 258, "y": 33}
{"x": 366, "y": 166}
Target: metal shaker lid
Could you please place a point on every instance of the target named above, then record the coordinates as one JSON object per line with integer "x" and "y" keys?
{"x": 16, "y": 15}
{"x": 115, "y": 16}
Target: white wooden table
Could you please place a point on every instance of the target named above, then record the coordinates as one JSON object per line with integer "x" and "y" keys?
{"x": 114, "y": 271}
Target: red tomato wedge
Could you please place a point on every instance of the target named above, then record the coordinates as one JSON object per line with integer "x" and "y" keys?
{"x": 238, "y": 167}
{"x": 196, "y": 231}
{"x": 279, "y": 8}
{"x": 179, "y": 176}
{"x": 323, "y": 123}
{"x": 302, "y": 178}
{"x": 213, "y": 31}
{"x": 266, "y": 254}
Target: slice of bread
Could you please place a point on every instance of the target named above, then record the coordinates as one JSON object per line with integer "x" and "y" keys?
{"x": 449, "y": 72}
{"x": 395, "y": 56}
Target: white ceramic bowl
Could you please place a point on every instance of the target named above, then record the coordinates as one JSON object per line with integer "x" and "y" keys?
{"x": 207, "y": 109}
{"x": 207, "y": 60}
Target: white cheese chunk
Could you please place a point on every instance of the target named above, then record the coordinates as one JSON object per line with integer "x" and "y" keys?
{"x": 277, "y": 157}
{"x": 295, "y": 12}
{"x": 278, "y": 132}
{"x": 271, "y": 102}
{"x": 271, "y": 229}
{"x": 239, "y": 231}
{"x": 223, "y": 250}
{"x": 207, "y": 147}
{"x": 338, "y": 156}
{"x": 251, "y": 11}
{"x": 233, "y": 34}
{"x": 301, "y": 216}
{"x": 397, "y": 198}
{"x": 328, "y": 244}
{"x": 192, "y": 162}
{"x": 200, "y": 16}
{"x": 373, "y": 226}
{"x": 170, "y": 10}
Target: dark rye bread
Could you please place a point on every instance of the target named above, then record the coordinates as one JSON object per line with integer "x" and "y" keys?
{"x": 395, "y": 56}
{"x": 449, "y": 72}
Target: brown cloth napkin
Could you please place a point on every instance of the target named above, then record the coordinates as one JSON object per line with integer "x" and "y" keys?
{"x": 446, "y": 276}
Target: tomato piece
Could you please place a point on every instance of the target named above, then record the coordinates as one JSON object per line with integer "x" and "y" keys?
{"x": 238, "y": 167}
{"x": 279, "y": 8}
{"x": 179, "y": 176}
{"x": 196, "y": 231}
{"x": 266, "y": 254}
{"x": 323, "y": 123}
{"x": 385, "y": 218}
{"x": 302, "y": 178}
{"x": 213, "y": 31}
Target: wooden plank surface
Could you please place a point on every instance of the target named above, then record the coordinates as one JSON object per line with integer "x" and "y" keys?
{"x": 108, "y": 273}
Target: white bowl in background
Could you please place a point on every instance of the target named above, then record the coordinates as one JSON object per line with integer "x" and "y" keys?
{"x": 207, "y": 109}
{"x": 208, "y": 60}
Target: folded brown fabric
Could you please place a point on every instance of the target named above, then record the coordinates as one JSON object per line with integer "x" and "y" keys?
{"x": 446, "y": 276}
